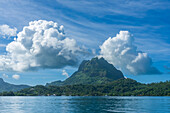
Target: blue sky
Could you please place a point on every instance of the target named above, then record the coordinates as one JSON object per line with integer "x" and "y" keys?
{"x": 90, "y": 23}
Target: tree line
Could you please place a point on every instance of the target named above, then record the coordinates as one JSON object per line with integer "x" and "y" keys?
{"x": 121, "y": 87}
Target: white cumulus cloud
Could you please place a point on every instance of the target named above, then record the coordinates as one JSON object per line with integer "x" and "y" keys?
{"x": 65, "y": 73}
{"x": 123, "y": 54}
{"x": 5, "y": 30}
{"x": 16, "y": 77}
{"x": 42, "y": 44}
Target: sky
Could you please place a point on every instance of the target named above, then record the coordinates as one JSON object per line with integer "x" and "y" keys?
{"x": 139, "y": 32}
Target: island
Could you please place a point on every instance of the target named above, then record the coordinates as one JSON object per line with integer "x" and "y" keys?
{"x": 95, "y": 77}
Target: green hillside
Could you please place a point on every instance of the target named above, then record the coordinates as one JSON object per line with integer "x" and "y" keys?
{"x": 95, "y": 71}
{"x": 4, "y": 86}
{"x": 121, "y": 87}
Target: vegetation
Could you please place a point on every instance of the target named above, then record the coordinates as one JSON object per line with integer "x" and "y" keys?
{"x": 95, "y": 78}
{"x": 95, "y": 71}
{"x": 4, "y": 86}
{"x": 121, "y": 87}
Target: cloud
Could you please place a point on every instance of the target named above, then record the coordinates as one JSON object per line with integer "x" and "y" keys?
{"x": 5, "y": 30}
{"x": 2, "y": 45}
{"x": 42, "y": 44}
{"x": 4, "y": 75}
{"x": 65, "y": 73}
{"x": 93, "y": 51}
{"x": 122, "y": 53}
{"x": 16, "y": 77}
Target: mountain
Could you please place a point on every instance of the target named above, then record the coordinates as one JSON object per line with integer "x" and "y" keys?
{"x": 4, "y": 86}
{"x": 94, "y": 71}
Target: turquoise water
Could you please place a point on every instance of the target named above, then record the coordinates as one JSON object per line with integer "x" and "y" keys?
{"x": 69, "y": 104}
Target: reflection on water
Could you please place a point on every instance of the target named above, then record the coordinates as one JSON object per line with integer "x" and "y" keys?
{"x": 69, "y": 104}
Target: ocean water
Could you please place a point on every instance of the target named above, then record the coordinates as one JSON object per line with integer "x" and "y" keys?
{"x": 76, "y": 104}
